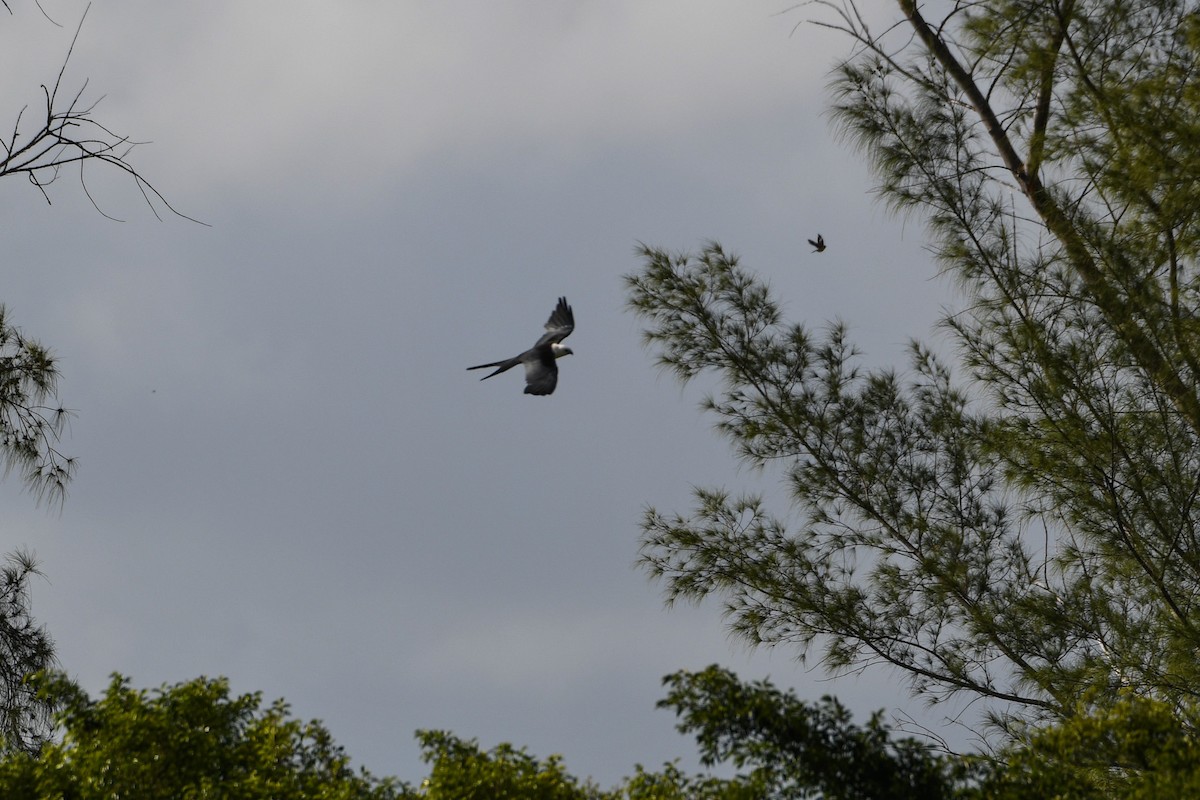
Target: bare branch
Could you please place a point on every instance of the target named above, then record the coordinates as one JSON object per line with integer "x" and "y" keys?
{"x": 70, "y": 134}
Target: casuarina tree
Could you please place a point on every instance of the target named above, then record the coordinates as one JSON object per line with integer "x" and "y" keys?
{"x": 1013, "y": 519}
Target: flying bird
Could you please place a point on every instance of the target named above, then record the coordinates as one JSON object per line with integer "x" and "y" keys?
{"x": 541, "y": 371}
{"x": 819, "y": 244}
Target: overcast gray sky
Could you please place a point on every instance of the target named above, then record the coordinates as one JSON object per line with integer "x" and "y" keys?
{"x": 288, "y": 477}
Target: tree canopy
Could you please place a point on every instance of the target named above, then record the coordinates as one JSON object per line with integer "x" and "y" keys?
{"x": 189, "y": 740}
{"x": 792, "y": 749}
{"x": 1135, "y": 748}
{"x": 197, "y": 739}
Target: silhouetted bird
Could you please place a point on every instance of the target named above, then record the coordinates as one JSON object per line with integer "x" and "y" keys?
{"x": 541, "y": 371}
{"x": 819, "y": 244}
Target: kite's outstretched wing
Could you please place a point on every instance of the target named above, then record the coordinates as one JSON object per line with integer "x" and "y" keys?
{"x": 560, "y": 324}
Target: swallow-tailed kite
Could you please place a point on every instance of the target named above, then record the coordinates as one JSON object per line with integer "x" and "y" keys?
{"x": 541, "y": 373}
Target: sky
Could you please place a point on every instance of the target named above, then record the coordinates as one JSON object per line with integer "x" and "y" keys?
{"x": 286, "y": 475}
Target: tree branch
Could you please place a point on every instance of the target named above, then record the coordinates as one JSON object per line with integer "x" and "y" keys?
{"x": 70, "y": 135}
{"x": 1111, "y": 301}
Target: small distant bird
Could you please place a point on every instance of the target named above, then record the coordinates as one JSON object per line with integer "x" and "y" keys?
{"x": 819, "y": 244}
{"x": 541, "y": 371}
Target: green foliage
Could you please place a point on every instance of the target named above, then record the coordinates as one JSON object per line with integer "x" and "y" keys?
{"x": 1081, "y": 328}
{"x": 673, "y": 784}
{"x": 462, "y": 771}
{"x": 796, "y": 749}
{"x": 782, "y": 748}
{"x": 190, "y": 740}
{"x": 910, "y": 552}
{"x": 1135, "y": 749}
{"x": 29, "y": 428}
{"x": 25, "y": 649}
{"x": 1023, "y": 528}
{"x": 195, "y": 740}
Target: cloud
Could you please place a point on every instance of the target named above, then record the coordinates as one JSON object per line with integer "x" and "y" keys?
{"x": 359, "y": 91}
